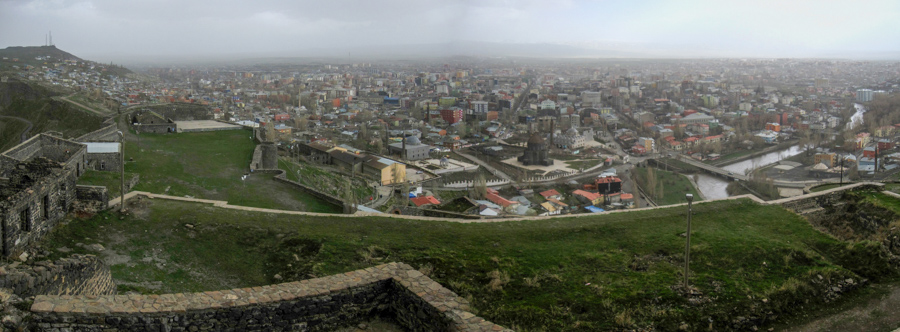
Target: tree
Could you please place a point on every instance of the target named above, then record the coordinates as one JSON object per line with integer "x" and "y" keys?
{"x": 300, "y": 123}
{"x": 348, "y": 194}
{"x": 461, "y": 129}
{"x": 378, "y": 146}
{"x": 479, "y": 187}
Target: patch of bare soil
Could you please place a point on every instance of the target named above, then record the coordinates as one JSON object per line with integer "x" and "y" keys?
{"x": 876, "y": 315}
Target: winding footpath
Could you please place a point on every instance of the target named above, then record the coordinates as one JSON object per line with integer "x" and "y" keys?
{"x": 66, "y": 99}
{"x": 27, "y": 129}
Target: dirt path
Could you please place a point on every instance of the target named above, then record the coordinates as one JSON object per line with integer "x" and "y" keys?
{"x": 66, "y": 98}
{"x": 27, "y": 129}
{"x": 876, "y": 315}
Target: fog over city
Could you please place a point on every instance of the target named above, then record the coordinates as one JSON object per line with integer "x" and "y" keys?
{"x": 131, "y": 31}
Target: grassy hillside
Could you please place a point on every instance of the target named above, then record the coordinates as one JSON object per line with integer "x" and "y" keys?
{"x": 667, "y": 188}
{"x": 10, "y": 132}
{"x": 210, "y": 165}
{"x": 34, "y": 103}
{"x": 599, "y": 272}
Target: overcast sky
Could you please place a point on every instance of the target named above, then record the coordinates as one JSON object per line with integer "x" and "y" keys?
{"x": 116, "y": 29}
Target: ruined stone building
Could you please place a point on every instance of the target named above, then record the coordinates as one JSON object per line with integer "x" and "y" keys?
{"x": 37, "y": 187}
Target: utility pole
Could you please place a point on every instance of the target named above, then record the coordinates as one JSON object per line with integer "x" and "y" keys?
{"x": 687, "y": 246}
{"x": 122, "y": 159}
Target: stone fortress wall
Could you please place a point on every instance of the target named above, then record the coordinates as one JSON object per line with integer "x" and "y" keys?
{"x": 105, "y": 134}
{"x": 74, "y": 275}
{"x": 395, "y": 290}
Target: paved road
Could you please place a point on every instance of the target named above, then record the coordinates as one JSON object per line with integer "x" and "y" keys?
{"x": 27, "y": 129}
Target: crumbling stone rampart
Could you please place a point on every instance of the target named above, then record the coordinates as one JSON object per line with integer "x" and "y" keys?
{"x": 74, "y": 275}
{"x": 394, "y": 291}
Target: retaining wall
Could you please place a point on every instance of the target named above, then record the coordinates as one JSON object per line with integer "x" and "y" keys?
{"x": 75, "y": 275}
{"x": 265, "y": 156}
{"x": 394, "y": 291}
{"x": 281, "y": 177}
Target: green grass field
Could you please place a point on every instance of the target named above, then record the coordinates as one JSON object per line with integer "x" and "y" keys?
{"x": 578, "y": 164}
{"x": 606, "y": 272}
{"x": 673, "y": 186}
{"x": 210, "y": 165}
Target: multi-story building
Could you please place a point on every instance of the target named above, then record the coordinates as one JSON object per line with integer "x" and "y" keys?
{"x": 452, "y": 115}
{"x": 479, "y": 107}
{"x": 864, "y": 95}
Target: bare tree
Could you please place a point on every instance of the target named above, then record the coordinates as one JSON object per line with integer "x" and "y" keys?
{"x": 479, "y": 187}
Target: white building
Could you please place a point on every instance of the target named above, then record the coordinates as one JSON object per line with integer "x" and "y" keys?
{"x": 480, "y": 107}
{"x": 864, "y": 95}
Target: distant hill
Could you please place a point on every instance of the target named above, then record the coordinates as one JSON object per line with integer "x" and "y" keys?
{"x": 14, "y": 57}
{"x": 25, "y": 53}
{"x": 22, "y": 102}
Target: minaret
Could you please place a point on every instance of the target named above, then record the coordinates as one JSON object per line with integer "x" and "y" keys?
{"x": 552, "y": 121}
{"x": 403, "y": 147}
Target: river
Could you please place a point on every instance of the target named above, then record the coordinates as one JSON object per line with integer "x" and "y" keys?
{"x": 713, "y": 187}
{"x": 857, "y": 118}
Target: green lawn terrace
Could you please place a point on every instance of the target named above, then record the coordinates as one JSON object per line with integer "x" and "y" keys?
{"x": 211, "y": 165}
{"x": 591, "y": 272}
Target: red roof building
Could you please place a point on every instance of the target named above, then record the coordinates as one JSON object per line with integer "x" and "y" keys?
{"x": 552, "y": 193}
{"x": 425, "y": 200}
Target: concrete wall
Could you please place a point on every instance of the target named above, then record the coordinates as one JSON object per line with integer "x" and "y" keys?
{"x": 74, "y": 275}
{"x": 394, "y": 291}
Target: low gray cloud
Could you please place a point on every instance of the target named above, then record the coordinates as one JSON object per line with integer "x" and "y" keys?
{"x": 111, "y": 29}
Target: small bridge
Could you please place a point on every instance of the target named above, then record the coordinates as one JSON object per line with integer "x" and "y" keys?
{"x": 713, "y": 169}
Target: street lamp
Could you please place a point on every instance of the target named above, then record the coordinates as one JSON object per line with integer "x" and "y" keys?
{"x": 122, "y": 160}
{"x": 687, "y": 246}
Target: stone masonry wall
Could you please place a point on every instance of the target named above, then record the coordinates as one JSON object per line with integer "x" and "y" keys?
{"x": 394, "y": 291}
{"x": 75, "y": 275}
{"x": 91, "y": 197}
{"x": 265, "y": 157}
{"x": 31, "y": 213}
{"x": 157, "y": 128}
{"x": 107, "y": 162}
{"x": 105, "y": 134}
{"x": 816, "y": 201}
{"x": 312, "y": 191}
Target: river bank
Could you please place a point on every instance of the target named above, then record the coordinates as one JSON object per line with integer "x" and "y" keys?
{"x": 778, "y": 147}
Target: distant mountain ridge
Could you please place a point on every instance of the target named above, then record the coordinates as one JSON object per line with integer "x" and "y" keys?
{"x": 30, "y": 52}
